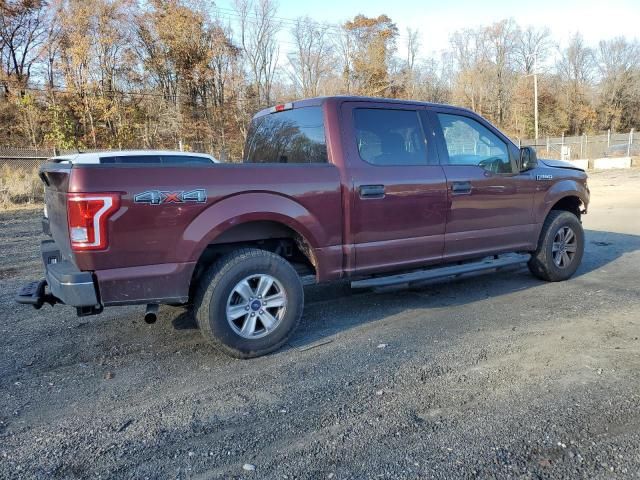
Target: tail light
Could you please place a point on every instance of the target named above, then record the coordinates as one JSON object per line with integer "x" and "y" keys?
{"x": 88, "y": 214}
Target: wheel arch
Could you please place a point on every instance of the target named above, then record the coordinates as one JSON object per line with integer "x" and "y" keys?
{"x": 239, "y": 209}
{"x": 567, "y": 195}
{"x": 279, "y": 225}
{"x": 269, "y": 235}
{"x": 569, "y": 203}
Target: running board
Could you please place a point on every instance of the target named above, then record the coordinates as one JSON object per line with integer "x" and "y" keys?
{"x": 490, "y": 263}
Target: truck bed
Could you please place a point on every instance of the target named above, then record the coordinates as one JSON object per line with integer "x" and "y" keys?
{"x": 158, "y": 234}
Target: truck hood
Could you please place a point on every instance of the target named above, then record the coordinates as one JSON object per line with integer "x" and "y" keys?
{"x": 559, "y": 164}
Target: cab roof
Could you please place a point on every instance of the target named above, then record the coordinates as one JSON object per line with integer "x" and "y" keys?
{"x": 308, "y": 102}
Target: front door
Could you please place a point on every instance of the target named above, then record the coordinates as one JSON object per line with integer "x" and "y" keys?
{"x": 398, "y": 189}
{"x": 491, "y": 203}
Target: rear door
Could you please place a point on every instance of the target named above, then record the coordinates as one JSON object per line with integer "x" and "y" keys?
{"x": 398, "y": 189}
{"x": 491, "y": 202}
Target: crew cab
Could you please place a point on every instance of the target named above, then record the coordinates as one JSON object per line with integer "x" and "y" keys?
{"x": 374, "y": 191}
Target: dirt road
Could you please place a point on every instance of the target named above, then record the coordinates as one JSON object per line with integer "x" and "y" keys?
{"x": 492, "y": 377}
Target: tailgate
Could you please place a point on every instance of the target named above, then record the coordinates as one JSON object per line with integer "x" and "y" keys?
{"x": 56, "y": 179}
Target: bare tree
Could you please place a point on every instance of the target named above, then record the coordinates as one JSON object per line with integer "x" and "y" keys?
{"x": 258, "y": 37}
{"x": 409, "y": 70}
{"x": 471, "y": 78}
{"x": 346, "y": 47}
{"x": 431, "y": 78}
{"x": 75, "y": 63}
{"x": 501, "y": 39}
{"x": 312, "y": 58}
{"x": 52, "y": 48}
{"x": 619, "y": 67}
{"x": 224, "y": 55}
{"x": 22, "y": 35}
{"x": 468, "y": 47}
{"x": 485, "y": 60}
{"x": 576, "y": 69}
{"x": 576, "y": 63}
{"x": 413, "y": 47}
{"x": 532, "y": 44}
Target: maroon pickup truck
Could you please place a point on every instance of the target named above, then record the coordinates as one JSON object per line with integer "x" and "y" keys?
{"x": 375, "y": 191}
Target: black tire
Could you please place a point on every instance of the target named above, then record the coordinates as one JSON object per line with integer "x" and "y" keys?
{"x": 214, "y": 291}
{"x": 542, "y": 263}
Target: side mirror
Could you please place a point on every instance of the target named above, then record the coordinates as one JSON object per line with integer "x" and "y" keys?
{"x": 528, "y": 159}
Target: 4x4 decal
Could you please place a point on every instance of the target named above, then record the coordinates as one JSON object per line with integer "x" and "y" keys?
{"x": 158, "y": 197}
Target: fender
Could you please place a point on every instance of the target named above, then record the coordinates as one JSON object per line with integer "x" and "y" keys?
{"x": 248, "y": 207}
{"x": 559, "y": 190}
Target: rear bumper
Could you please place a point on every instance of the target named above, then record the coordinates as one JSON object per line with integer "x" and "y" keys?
{"x": 70, "y": 285}
{"x": 90, "y": 291}
{"x": 63, "y": 283}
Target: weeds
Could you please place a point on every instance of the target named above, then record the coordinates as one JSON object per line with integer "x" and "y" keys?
{"x": 19, "y": 187}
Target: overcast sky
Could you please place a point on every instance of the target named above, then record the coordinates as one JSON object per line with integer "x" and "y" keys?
{"x": 436, "y": 20}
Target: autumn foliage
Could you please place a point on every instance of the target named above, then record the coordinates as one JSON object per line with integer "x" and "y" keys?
{"x": 183, "y": 73}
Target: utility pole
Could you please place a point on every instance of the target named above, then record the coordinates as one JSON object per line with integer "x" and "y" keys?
{"x": 535, "y": 91}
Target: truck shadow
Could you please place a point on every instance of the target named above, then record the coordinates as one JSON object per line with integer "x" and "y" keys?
{"x": 334, "y": 308}
{"x": 604, "y": 247}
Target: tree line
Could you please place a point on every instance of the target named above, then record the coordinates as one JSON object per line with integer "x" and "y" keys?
{"x": 85, "y": 74}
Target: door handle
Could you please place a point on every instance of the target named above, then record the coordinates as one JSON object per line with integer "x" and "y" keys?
{"x": 371, "y": 191}
{"x": 461, "y": 188}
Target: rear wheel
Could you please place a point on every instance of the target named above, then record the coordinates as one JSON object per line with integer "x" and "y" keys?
{"x": 560, "y": 247}
{"x": 249, "y": 303}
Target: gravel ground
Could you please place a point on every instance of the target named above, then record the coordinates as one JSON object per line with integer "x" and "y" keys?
{"x": 493, "y": 377}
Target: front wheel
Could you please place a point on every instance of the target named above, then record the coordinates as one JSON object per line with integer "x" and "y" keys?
{"x": 560, "y": 247}
{"x": 249, "y": 303}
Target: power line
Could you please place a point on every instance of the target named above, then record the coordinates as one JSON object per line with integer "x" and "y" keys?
{"x": 291, "y": 21}
{"x": 66, "y": 90}
{"x": 233, "y": 16}
{"x": 254, "y": 22}
{"x": 287, "y": 21}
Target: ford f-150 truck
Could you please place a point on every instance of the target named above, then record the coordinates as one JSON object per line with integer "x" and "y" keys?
{"x": 375, "y": 191}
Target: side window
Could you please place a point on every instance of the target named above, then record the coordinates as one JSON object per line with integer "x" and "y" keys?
{"x": 471, "y": 143}
{"x": 291, "y": 136}
{"x": 390, "y": 137}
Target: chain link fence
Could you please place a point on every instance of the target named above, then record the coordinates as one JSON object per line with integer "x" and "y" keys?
{"x": 24, "y": 158}
{"x": 587, "y": 147}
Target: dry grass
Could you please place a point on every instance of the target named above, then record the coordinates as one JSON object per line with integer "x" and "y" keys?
{"x": 19, "y": 188}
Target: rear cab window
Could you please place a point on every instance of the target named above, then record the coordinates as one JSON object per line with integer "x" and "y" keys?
{"x": 155, "y": 159}
{"x": 290, "y": 136}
